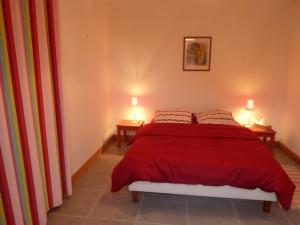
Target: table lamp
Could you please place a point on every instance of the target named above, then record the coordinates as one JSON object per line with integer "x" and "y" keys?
{"x": 249, "y": 108}
{"x": 134, "y": 104}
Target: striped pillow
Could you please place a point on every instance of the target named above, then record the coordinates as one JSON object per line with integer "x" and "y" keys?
{"x": 173, "y": 116}
{"x": 216, "y": 117}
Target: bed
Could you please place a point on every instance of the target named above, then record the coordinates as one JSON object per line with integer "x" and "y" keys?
{"x": 211, "y": 160}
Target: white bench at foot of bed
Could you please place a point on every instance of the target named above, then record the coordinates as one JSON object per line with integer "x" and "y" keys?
{"x": 203, "y": 190}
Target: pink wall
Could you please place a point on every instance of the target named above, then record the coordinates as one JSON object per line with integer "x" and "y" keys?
{"x": 110, "y": 50}
{"x": 249, "y": 55}
{"x": 291, "y": 116}
{"x": 84, "y": 64}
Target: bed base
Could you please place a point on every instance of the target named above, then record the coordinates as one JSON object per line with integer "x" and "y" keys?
{"x": 201, "y": 190}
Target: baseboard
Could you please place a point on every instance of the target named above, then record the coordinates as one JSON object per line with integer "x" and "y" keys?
{"x": 289, "y": 152}
{"x": 92, "y": 159}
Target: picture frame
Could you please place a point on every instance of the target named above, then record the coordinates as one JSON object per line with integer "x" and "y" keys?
{"x": 197, "y": 53}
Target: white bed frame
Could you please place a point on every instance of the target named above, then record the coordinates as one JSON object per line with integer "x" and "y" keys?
{"x": 203, "y": 190}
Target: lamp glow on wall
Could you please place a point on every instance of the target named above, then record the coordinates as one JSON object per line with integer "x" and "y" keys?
{"x": 134, "y": 104}
{"x": 249, "y": 108}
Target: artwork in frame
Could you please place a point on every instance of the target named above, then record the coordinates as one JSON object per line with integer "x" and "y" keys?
{"x": 196, "y": 53}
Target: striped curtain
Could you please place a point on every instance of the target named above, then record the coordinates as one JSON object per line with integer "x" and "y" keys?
{"x": 34, "y": 165}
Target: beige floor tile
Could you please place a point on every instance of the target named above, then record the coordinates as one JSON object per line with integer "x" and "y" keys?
{"x": 144, "y": 223}
{"x": 118, "y": 209}
{"x": 210, "y": 211}
{"x": 293, "y": 215}
{"x": 80, "y": 203}
{"x": 93, "y": 221}
{"x": 163, "y": 209}
{"x": 114, "y": 150}
{"x": 124, "y": 189}
{"x": 55, "y": 219}
{"x": 114, "y": 157}
{"x": 92, "y": 179}
{"x": 105, "y": 164}
{"x": 283, "y": 159}
{"x": 115, "y": 206}
{"x": 250, "y": 213}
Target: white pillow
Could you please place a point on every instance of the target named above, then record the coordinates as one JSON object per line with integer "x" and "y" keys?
{"x": 216, "y": 117}
{"x": 172, "y": 116}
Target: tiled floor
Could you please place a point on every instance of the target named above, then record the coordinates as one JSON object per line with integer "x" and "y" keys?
{"x": 92, "y": 203}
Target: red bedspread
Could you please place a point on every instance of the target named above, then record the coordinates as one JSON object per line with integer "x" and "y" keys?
{"x": 202, "y": 154}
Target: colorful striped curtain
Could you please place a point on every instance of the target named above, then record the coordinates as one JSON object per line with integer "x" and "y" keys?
{"x": 34, "y": 165}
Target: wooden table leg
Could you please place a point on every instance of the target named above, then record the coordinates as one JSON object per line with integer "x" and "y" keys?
{"x": 267, "y": 206}
{"x": 135, "y": 196}
{"x": 125, "y": 135}
{"x": 272, "y": 141}
{"x": 265, "y": 140}
{"x": 119, "y": 138}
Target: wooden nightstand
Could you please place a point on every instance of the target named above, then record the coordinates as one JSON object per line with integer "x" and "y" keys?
{"x": 265, "y": 133}
{"x": 127, "y": 125}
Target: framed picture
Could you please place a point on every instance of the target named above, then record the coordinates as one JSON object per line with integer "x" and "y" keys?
{"x": 196, "y": 53}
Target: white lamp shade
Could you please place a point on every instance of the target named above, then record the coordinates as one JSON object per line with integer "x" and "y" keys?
{"x": 250, "y": 105}
{"x": 134, "y": 101}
